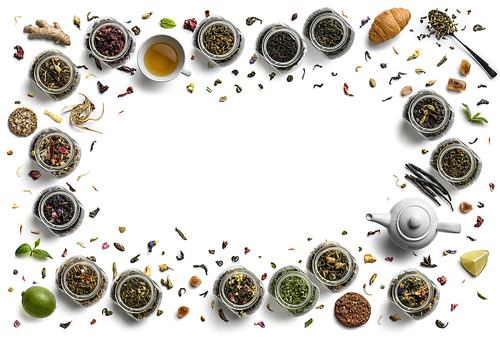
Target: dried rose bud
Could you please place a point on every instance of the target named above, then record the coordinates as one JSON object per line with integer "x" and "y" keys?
{"x": 465, "y": 206}
{"x": 294, "y": 16}
{"x": 34, "y": 174}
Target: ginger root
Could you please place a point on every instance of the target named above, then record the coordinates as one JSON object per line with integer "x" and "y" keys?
{"x": 46, "y": 31}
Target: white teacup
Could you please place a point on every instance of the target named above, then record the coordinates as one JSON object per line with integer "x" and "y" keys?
{"x": 180, "y": 52}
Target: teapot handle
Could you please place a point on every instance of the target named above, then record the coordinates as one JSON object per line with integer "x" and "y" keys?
{"x": 449, "y": 227}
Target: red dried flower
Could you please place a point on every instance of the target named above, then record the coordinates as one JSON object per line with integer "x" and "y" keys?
{"x": 389, "y": 259}
{"x": 190, "y": 24}
{"x": 346, "y": 89}
{"x": 34, "y": 174}
{"x": 207, "y": 13}
{"x": 453, "y": 306}
{"x": 264, "y": 276}
{"x": 479, "y": 222}
{"x": 19, "y": 54}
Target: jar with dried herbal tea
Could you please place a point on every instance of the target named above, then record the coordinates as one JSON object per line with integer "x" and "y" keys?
{"x": 456, "y": 163}
{"x": 59, "y": 210}
{"x": 54, "y": 74}
{"x": 328, "y": 32}
{"x": 239, "y": 290}
{"x": 333, "y": 266}
{"x": 293, "y": 290}
{"x": 136, "y": 294}
{"x": 109, "y": 42}
{"x": 281, "y": 47}
{"x": 82, "y": 280}
{"x": 415, "y": 294}
{"x": 429, "y": 114}
{"x": 55, "y": 151}
{"x": 218, "y": 40}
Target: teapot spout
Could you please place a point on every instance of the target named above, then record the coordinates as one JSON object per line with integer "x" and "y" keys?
{"x": 381, "y": 218}
{"x": 449, "y": 227}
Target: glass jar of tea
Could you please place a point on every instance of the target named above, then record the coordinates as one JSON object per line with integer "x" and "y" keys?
{"x": 293, "y": 290}
{"x": 328, "y": 33}
{"x": 218, "y": 40}
{"x": 59, "y": 210}
{"x": 239, "y": 290}
{"x": 415, "y": 294}
{"x": 456, "y": 163}
{"x": 55, "y": 151}
{"x": 82, "y": 280}
{"x": 281, "y": 47}
{"x": 429, "y": 114}
{"x": 54, "y": 74}
{"x": 136, "y": 294}
{"x": 333, "y": 266}
{"x": 109, "y": 42}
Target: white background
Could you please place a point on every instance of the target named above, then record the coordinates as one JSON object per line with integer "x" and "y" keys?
{"x": 265, "y": 170}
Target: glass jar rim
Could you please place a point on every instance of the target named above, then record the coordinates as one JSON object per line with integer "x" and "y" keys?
{"x": 58, "y": 133}
{"x": 256, "y": 294}
{"x": 73, "y": 199}
{"x": 332, "y": 248}
{"x": 467, "y": 151}
{"x": 320, "y": 18}
{"x": 405, "y": 308}
{"x": 54, "y": 55}
{"x": 418, "y": 98}
{"x": 288, "y": 275}
{"x": 119, "y": 298}
{"x": 234, "y": 31}
{"x": 108, "y": 21}
{"x": 293, "y": 34}
{"x": 81, "y": 262}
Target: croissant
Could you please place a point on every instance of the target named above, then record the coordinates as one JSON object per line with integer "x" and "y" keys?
{"x": 388, "y": 24}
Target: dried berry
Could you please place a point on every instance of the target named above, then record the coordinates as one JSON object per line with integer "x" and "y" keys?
{"x": 183, "y": 311}
{"x": 195, "y": 281}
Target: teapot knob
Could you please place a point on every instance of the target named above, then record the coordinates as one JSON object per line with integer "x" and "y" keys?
{"x": 415, "y": 222}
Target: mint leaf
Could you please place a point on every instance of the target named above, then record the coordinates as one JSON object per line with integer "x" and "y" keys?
{"x": 23, "y": 249}
{"x": 43, "y": 253}
{"x": 469, "y": 114}
{"x": 37, "y": 243}
{"x": 167, "y": 23}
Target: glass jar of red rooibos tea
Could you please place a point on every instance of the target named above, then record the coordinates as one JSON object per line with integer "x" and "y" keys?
{"x": 109, "y": 42}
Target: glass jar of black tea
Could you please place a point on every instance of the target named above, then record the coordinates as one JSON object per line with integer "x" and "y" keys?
{"x": 55, "y": 152}
{"x": 54, "y": 74}
{"x": 59, "y": 210}
{"x": 456, "y": 163}
{"x": 328, "y": 33}
{"x": 136, "y": 294}
{"x": 82, "y": 280}
{"x": 109, "y": 42}
{"x": 414, "y": 293}
{"x": 429, "y": 114}
{"x": 239, "y": 290}
{"x": 218, "y": 40}
{"x": 333, "y": 266}
{"x": 281, "y": 47}
{"x": 293, "y": 290}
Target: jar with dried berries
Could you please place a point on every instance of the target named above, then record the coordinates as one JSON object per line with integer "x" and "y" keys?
{"x": 109, "y": 42}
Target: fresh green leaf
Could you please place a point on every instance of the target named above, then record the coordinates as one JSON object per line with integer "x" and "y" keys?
{"x": 480, "y": 119}
{"x": 37, "y": 243}
{"x": 40, "y": 252}
{"x": 23, "y": 249}
{"x": 167, "y": 23}
{"x": 476, "y": 115}
{"x": 469, "y": 114}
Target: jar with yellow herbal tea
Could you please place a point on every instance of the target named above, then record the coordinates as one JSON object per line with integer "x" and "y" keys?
{"x": 55, "y": 152}
{"x": 415, "y": 294}
{"x": 82, "y": 280}
{"x": 239, "y": 290}
{"x": 333, "y": 266}
{"x": 218, "y": 40}
{"x": 54, "y": 74}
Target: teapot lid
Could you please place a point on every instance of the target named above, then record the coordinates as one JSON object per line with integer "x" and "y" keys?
{"x": 414, "y": 223}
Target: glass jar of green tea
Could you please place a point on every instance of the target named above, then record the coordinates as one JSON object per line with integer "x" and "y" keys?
{"x": 328, "y": 32}
{"x": 456, "y": 163}
{"x": 54, "y": 74}
{"x": 239, "y": 290}
{"x": 429, "y": 114}
{"x": 136, "y": 294}
{"x": 293, "y": 290}
{"x": 218, "y": 40}
{"x": 109, "y": 42}
{"x": 415, "y": 294}
{"x": 59, "y": 210}
{"x": 55, "y": 151}
{"x": 82, "y": 280}
{"x": 333, "y": 266}
{"x": 281, "y": 47}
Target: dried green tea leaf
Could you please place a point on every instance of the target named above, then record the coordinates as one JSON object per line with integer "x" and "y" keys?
{"x": 415, "y": 55}
{"x": 394, "y": 317}
{"x": 481, "y": 295}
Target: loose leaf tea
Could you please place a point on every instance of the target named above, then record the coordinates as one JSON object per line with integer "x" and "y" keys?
{"x": 328, "y": 32}
{"x": 333, "y": 265}
{"x": 109, "y": 40}
{"x": 282, "y": 47}
{"x": 239, "y": 289}
{"x": 251, "y": 20}
{"x": 218, "y": 39}
{"x": 441, "y": 23}
{"x": 135, "y": 292}
{"x": 81, "y": 279}
{"x": 413, "y": 292}
{"x": 429, "y": 113}
{"x": 456, "y": 163}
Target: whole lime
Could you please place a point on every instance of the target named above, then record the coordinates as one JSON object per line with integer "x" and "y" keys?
{"x": 38, "y": 302}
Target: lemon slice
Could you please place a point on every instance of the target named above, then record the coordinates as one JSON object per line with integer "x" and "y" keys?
{"x": 475, "y": 261}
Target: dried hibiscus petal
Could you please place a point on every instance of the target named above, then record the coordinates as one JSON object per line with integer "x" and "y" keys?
{"x": 34, "y": 174}
{"x": 479, "y": 222}
{"x": 190, "y": 24}
{"x": 346, "y": 89}
{"x": 19, "y": 54}
{"x": 130, "y": 90}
